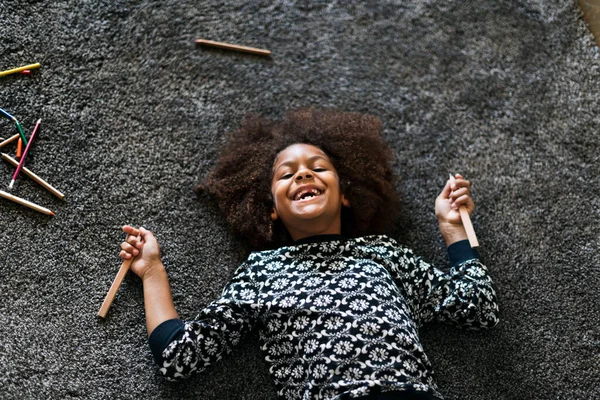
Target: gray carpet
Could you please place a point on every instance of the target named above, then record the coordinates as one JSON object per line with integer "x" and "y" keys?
{"x": 133, "y": 114}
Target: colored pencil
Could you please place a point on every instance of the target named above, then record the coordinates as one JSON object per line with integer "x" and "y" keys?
{"x": 25, "y": 203}
{"x": 19, "y": 151}
{"x": 9, "y": 140}
{"x": 466, "y": 220}
{"x": 19, "y": 69}
{"x": 235, "y": 47}
{"x": 33, "y": 176}
{"x": 14, "y": 178}
{"x": 21, "y": 133}
{"x": 7, "y": 114}
{"x": 110, "y": 296}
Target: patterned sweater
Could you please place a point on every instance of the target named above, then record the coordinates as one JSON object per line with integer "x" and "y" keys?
{"x": 338, "y": 318}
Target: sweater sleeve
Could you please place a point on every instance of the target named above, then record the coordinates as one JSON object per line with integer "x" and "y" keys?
{"x": 464, "y": 297}
{"x": 183, "y": 347}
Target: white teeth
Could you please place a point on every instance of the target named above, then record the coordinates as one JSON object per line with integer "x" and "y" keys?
{"x": 313, "y": 192}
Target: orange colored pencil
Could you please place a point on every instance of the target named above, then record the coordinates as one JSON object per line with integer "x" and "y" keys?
{"x": 19, "y": 148}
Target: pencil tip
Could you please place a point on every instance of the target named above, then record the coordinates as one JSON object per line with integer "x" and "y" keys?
{"x": 11, "y": 184}
{"x": 52, "y": 213}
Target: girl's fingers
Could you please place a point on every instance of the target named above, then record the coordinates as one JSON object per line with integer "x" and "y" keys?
{"x": 458, "y": 193}
{"x": 134, "y": 241}
{"x": 130, "y": 230}
{"x": 128, "y": 248}
{"x": 461, "y": 201}
{"x": 459, "y": 183}
{"x": 124, "y": 255}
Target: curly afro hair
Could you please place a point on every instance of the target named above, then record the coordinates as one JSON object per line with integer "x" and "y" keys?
{"x": 241, "y": 180}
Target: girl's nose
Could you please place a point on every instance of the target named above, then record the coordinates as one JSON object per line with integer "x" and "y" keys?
{"x": 305, "y": 174}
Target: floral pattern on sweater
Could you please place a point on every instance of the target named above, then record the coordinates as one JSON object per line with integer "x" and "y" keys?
{"x": 337, "y": 319}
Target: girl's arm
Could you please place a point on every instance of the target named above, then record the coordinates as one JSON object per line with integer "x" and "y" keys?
{"x": 464, "y": 297}
{"x": 183, "y": 347}
{"x": 158, "y": 301}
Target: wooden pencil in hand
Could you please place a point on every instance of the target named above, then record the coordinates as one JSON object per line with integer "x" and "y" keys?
{"x": 466, "y": 220}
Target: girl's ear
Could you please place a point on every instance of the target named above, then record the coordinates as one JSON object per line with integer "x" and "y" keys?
{"x": 274, "y": 214}
{"x": 345, "y": 201}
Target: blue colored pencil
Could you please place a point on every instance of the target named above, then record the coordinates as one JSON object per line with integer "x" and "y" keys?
{"x": 19, "y": 128}
{"x": 7, "y": 115}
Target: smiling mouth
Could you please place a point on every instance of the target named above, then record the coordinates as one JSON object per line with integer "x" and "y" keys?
{"x": 307, "y": 194}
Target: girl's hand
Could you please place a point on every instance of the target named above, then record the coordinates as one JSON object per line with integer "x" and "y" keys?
{"x": 141, "y": 245}
{"x": 455, "y": 193}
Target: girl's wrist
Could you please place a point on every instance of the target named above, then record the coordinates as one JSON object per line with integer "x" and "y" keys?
{"x": 153, "y": 271}
{"x": 452, "y": 233}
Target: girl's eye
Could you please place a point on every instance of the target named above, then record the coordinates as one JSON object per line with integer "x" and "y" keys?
{"x": 286, "y": 176}
{"x": 319, "y": 169}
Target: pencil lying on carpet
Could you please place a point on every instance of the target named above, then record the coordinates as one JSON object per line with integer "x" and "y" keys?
{"x": 19, "y": 151}
{"x": 114, "y": 288}
{"x": 9, "y": 140}
{"x": 25, "y": 203}
{"x": 21, "y": 133}
{"x": 33, "y": 176}
{"x": 235, "y": 47}
{"x": 19, "y": 69}
{"x": 466, "y": 220}
{"x": 10, "y": 117}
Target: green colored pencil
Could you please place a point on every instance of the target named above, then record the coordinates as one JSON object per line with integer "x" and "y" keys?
{"x": 21, "y": 132}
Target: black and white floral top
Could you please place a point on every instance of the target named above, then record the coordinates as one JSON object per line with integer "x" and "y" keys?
{"x": 337, "y": 318}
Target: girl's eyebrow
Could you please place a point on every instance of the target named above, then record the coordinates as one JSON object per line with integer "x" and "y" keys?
{"x": 292, "y": 162}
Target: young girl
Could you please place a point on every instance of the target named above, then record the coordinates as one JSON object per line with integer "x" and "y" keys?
{"x": 337, "y": 303}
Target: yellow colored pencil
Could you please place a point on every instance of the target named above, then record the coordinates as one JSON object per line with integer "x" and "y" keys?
{"x": 25, "y": 203}
{"x": 19, "y": 69}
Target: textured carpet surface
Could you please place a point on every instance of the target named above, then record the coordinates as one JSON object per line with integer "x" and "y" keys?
{"x": 133, "y": 114}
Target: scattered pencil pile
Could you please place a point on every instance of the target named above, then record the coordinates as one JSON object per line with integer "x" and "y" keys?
{"x": 21, "y": 154}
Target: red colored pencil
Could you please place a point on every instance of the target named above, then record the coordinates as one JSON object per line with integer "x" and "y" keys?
{"x": 14, "y": 178}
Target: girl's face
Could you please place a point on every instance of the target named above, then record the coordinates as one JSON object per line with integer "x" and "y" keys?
{"x": 306, "y": 192}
